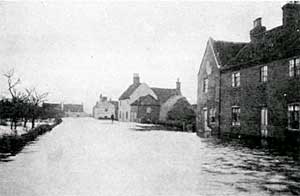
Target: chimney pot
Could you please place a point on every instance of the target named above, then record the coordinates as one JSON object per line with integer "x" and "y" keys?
{"x": 136, "y": 78}
{"x": 258, "y": 30}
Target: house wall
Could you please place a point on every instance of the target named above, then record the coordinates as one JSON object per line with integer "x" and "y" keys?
{"x": 100, "y": 110}
{"x": 252, "y": 95}
{"x": 208, "y": 69}
{"x": 153, "y": 116}
{"x": 124, "y": 105}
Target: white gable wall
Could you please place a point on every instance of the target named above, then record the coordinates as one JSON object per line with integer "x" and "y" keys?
{"x": 124, "y": 105}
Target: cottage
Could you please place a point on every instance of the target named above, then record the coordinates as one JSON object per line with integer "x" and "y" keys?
{"x": 104, "y": 108}
{"x": 130, "y": 95}
{"x": 140, "y": 103}
{"x": 253, "y": 89}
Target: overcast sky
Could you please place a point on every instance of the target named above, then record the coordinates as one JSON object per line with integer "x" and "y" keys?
{"x": 77, "y": 50}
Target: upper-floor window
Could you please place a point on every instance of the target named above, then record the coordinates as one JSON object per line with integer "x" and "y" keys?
{"x": 205, "y": 85}
{"x": 264, "y": 73}
{"x": 148, "y": 110}
{"x": 293, "y": 116}
{"x": 235, "y": 115}
{"x": 236, "y": 79}
{"x": 294, "y": 67}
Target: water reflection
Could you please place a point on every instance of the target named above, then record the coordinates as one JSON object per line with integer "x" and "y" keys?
{"x": 274, "y": 169}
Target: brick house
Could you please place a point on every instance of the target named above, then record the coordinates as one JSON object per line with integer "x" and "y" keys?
{"x": 130, "y": 95}
{"x": 141, "y": 103}
{"x": 216, "y": 55}
{"x": 259, "y": 85}
{"x": 146, "y": 108}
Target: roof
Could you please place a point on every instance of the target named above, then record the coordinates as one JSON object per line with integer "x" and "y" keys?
{"x": 163, "y": 94}
{"x": 146, "y": 100}
{"x": 277, "y": 43}
{"x": 167, "y": 106}
{"x": 126, "y": 94}
{"x": 225, "y": 50}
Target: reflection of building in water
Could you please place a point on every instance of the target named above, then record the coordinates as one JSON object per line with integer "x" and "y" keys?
{"x": 105, "y": 108}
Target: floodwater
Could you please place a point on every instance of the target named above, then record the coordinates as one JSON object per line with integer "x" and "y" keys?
{"x": 89, "y": 157}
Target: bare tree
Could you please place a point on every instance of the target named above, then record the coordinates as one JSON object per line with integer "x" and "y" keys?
{"x": 15, "y": 97}
{"x": 12, "y": 83}
{"x": 36, "y": 99}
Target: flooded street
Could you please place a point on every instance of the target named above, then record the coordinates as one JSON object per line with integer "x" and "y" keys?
{"x": 91, "y": 157}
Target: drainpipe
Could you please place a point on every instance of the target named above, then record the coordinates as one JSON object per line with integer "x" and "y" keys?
{"x": 219, "y": 115}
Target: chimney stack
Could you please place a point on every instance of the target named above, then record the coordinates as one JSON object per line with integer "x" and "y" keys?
{"x": 178, "y": 86}
{"x": 291, "y": 14}
{"x": 136, "y": 78}
{"x": 258, "y": 30}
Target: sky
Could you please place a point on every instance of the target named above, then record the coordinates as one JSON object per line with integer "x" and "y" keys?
{"x": 77, "y": 50}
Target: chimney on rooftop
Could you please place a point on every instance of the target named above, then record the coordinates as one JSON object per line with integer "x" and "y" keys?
{"x": 136, "y": 78}
{"x": 178, "y": 86}
{"x": 291, "y": 14}
{"x": 258, "y": 30}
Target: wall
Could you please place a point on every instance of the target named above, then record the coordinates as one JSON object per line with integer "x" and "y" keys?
{"x": 252, "y": 95}
{"x": 99, "y": 110}
{"x": 208, "y": 69}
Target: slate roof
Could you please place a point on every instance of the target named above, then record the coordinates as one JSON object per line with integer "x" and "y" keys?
{"x": 225, "y": 51}
{"x": 278, "y": 43}
{"x": 146, "y": 100}
{"x": 126, "y": 94}
{"x": 163, "y": 94}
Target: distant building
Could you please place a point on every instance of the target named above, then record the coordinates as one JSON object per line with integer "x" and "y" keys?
{"x": 104, "y": 108}
{"x": 253, "y": 89}
{"x": 73, "y": 110}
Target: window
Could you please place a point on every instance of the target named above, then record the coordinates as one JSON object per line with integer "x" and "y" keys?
{"x": 106, "y": 109}
{"x": 294, "y": 67}
{"x": 235, "y": 79}
{"x": 148, "y": 110}
{"x": 126, "y": 115}
{"x": 293, "y": 116}
{"x": 212, "y": 115}
{"x": 264, "y": 73}
{"x": 264, "y": 121}
{"x": 205, "y": 85}
{"x": 236, "y": 116}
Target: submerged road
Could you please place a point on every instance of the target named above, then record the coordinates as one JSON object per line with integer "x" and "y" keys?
{"x": 84, "y": 156}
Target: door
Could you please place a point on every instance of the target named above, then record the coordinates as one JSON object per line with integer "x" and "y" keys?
{"x": 264, "y": 122}
{"x": 205, "y": 119}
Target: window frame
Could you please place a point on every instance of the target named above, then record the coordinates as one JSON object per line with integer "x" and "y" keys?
{"x": 236, "y": 110}
{"x": 236, "y": 79}
{"x": 290, "y": 112}
{"x": 294, "y": 67}
{"x": 205, "y": 85}
{"x": 264, "y": 73}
